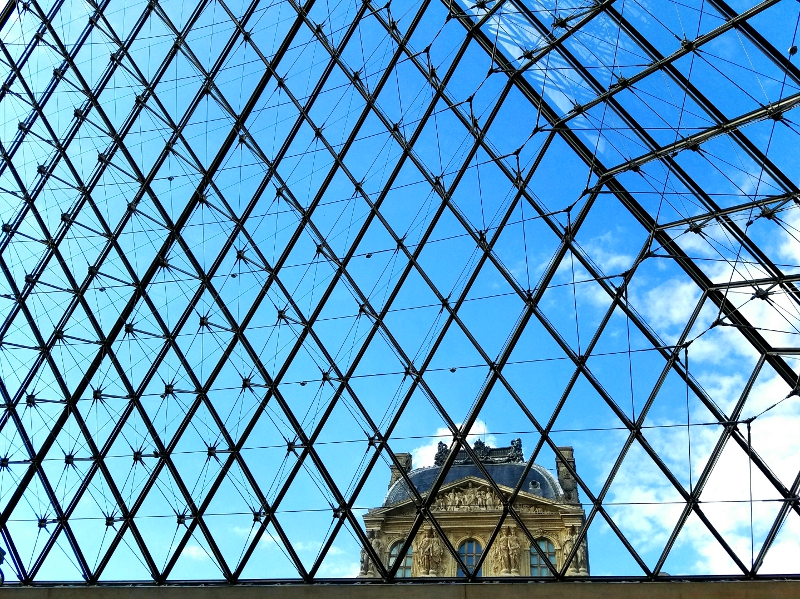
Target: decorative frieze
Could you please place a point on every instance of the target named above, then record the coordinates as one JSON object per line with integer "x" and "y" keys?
{"x": 467, "y": 499}
{"x": 472, "y": 498}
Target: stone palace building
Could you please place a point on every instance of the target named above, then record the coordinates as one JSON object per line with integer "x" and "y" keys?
{"x": 467, "y": 509}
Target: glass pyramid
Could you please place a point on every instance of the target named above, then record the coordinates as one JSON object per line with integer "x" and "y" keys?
{"x": 255, "y": 253}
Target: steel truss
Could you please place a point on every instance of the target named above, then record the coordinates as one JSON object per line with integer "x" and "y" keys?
{"x": 140, "y": 244}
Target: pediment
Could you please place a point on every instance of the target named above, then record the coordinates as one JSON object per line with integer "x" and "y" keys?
{"x": 474, "y": 495}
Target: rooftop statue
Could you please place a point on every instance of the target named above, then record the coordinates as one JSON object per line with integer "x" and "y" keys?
{"x": 484, "y": 453}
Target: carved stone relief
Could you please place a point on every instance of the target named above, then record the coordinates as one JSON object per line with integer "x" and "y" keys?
{"x": 580, "y": 563}
{"x": 478, "y": 499}
{"x": 468, "y": 509}
{"x": 467, "y": 499}
{"x": 367, "y": 565}
{"x": 428, "y": 554}
{"x": 525, "y": 508}
{"x": 506, "y": 553}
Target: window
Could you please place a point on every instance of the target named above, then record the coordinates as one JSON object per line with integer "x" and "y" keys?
{"x": 538, "y": 565}
{"x": 404, "y": 571}
{"x": 470, "y": 552}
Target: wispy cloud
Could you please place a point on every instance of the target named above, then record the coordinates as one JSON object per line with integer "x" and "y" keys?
{"x": 195, "y": 552}
{"x": 339, "y": 569}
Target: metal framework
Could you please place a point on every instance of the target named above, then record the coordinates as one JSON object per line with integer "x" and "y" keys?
{"x": 245, "y": 244}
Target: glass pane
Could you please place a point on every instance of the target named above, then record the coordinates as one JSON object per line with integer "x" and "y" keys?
{"x": 538, "y": 564}
{"x": 470, "y": 553}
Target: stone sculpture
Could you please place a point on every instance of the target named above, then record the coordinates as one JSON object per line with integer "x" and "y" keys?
{"x": 429, "y": 554}
{"x": 506, "y": 553}
{"x": 367, "y": 565}
{"x": 441, "y": 454}
{"x": 580, "y": 563}
{"x": 515, "y": 453}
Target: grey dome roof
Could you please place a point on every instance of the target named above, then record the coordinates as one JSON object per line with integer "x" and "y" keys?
{"x": 538, "y": 481}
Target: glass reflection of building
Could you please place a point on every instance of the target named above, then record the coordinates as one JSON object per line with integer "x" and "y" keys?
{"x": 468, "y": 509}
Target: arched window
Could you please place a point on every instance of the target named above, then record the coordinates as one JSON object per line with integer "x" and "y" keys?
{"x": 404, "y": 571}
{"x": 538, "y": 565}
{"x": 470, "y": 552}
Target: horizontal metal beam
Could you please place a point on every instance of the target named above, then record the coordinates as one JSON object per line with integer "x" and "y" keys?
{"x": 775, "y": 111}
{"x": 697, "y": 222}
{"x": 668, "y": 587}
{"x": 660, "y": 64}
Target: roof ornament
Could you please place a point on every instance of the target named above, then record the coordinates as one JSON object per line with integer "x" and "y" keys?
{"x": 484, "y": 453}
{"x": 515, "y": 453}
{"x": 441, "y": 454}
{"x": 481, "y": 450}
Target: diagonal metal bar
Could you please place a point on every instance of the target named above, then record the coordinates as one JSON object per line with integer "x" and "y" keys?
{"x": 758, "y": 40}
{"x": 97, "y": 361}
{"x": 768, "y": 209}
{"x": 587, "y": 156}
{"x": 712, "y": 461}
{"x": 742, "y": 140}
{"x": 672, "y": 165}
{"x": 196, "y": 283}
{"x": 193, "y": 521}
{"x": 88, "y": 478}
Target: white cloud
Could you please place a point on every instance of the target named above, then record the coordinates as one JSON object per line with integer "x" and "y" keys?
{"x": 348, "y": 569}
{"x": 669, "y": 304}
{"x": 425, "y": 454}
{"x": 724, "y": 359}
{"x": 789, "y": 247}
{"x": 311, "y": 546}
{"x": 601, "y": 250}
{"x": 651, "y": 505}
{"x": 785, "y": 553}
{"x": 338, "y": 563}
{"x": 315, "y": 546}
{"x": 723, "y": 388}
{"x": 195, "y": 552}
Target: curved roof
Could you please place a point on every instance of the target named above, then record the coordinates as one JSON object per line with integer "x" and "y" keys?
{"x": 537, "y": 482}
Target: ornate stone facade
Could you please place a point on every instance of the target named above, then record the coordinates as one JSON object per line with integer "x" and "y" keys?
{"x": 467, "y": 508}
